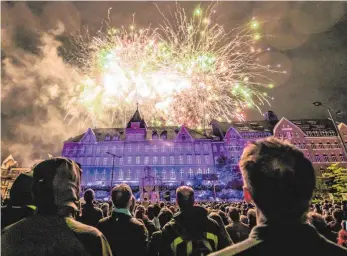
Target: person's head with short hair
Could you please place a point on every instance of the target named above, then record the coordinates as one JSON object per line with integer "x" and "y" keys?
{"x": 234, "y": 214}
{"x": 185, "y": 197}
{"x": 89, "y": 196}
{"x": 105, "y": 209}
{"x": 337, "y": 215}
{"x": 224, "y": 217}
{"x": 156, "y": 210}
{"x": 162, "y": 204}
{"x": 316, "y": 220}
{"x": 121, "y": 196}
{"x": 278, "y": 178}
{"x": 150, "y": 212}
{"x": 244, "y": 219}
{"x": 215, "y": 216}
{"x": 164, "y": 216}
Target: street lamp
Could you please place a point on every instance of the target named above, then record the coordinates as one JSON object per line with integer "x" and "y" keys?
{"x": 113, "y": 156}
{"x": 319, "y": 104}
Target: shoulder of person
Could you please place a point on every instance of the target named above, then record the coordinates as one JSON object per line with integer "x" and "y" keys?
{"x": 82, "y": 229}
{"x": 16, "y": 226}
{"x": 243, "y": 248}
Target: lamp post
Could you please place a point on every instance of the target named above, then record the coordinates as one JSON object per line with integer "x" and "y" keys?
{"x": 113, "y": 156}
{"x": 319, "y": 104}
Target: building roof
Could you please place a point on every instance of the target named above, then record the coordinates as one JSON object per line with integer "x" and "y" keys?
{"x": 171, "y": 132}
{"x": 221, "y": 128}
{"x": 310, "y": 127}
{"x": 136, "y": 118}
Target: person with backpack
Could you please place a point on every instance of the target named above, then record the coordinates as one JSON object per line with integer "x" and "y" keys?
{"x": 191, "y": 232}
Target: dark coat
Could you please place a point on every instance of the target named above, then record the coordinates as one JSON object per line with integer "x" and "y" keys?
{"x": 126, "y": 235}
{"x": 12, "y": 214}
{"x": 154, "y": 244}
{"x": 238, "y": 231}
{"x": 195, "y": 222}
{"x": 52, "y": 236}
{"x": 295, "y": 239}
{"x": 90, "y": 215}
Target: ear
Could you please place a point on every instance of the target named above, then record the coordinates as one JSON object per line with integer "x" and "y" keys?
{"x": 247, "y": 195}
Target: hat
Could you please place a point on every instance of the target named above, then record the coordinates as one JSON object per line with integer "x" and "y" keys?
{"x": 56, "y": 184}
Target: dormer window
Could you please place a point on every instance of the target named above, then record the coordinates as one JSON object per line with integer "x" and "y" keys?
{"x": 183, "y": 137}
{"x": 115, "y": 137}
{"x": 154, "y": 135}
{"x": 108, "y": 137}
{"x": 163, "y": 135}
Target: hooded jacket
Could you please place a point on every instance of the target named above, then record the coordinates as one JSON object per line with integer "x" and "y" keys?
{"x": 52, "y": 230}
{"x": 192, "y": 224}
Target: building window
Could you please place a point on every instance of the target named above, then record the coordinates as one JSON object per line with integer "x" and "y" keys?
{"x": 197, "y": 148}
{"x": 129, "y": 148}
{"x": 205, "y": 147}
{"x": 172, "y": 160}
{"x": 337, "y": 145}
{"x": 105, "y": 161}
{"x": 191, "y": 173}
{"x": 83, "y": 150}
{"x": 198, "y": 160}
{"x": 155, "y": 173}
{"x": 313, "y": 146}
{"x": 105, "y": 149}
{"x": 189, "y": 158}
{"x": 163, "y": 160}
{"x": 137, "y": 174}
{"x": 333, "y": 158}
{"x": 189, "y": 148}
{"x": 329, "y": 145}
{"x": 138, "y": 159}
{"x": 97, "y": 161}
{"x": 96, "y": 175}
{"x": 138, "y": 148}
{"x": 114, "y": 149}
{"x": 155, "y": 148}
{"x": 303, "y": 145}
{"x": 208, "y": 171}
{"x": 129, "y": 174}
{"x": 163, "y": 174}
{"x": 180, "y": 159}
{"x": 163, "y": 149}
{"x": 332, "y": 133}
{"x": 155, "y": 160}
{"x": 326, "y": 159}
{"x": 342, "y": 158}
{"x": 121, "y": 161}
{"x": 98, "y": 150}
{"x": 121, "y": 174}
{"x": 199, "y": 172}
{"x": 308, "y": 156}
{"x": 182, "y": 173}
{"x": 89, "y": 161}
{"x": 237, "y": 147}
{"x": 74, "y": 150}
{"x": 129, "y": 159}
{"x": 232, "y": 160}
{"x": 317, "y": 158}
{"x": 214, "y": 148}
{"x": 104, "y": 174}
{"x": 173, "y": 174}
{"x": 321, "y": 145}
{"x": 207, "y": 159}
{"x": 146, "y": 148}
{"x": 221, "y": 149}
{"x": 146, "y": 161}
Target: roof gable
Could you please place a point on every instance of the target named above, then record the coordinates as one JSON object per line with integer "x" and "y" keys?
{"x": 88, "y": 137}
{"x": 284, "y": 121}
{"x": 183, "y": 135}
{"x": 232, "y": 133}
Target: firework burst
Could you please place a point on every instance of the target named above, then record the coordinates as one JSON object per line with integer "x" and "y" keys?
{"x": 187, "y": 71}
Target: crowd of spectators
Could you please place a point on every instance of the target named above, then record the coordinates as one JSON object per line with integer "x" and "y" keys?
{"x": 45, "y": 215}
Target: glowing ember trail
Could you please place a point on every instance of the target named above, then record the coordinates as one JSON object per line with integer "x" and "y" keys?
{"x": 187, "y": 71}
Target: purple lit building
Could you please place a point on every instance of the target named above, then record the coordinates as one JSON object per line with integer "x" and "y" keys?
{"x": 179, "y": 155}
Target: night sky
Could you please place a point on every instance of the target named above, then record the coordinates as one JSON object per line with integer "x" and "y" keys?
{"x": 308, "y": 38}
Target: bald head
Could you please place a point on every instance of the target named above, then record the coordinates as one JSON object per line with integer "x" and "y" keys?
{"x": 185, "y": 197}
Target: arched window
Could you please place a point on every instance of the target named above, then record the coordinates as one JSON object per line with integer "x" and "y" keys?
{"x": 326, "y": 159}
{"x": 317, "y": 158}
{"x": 97, "y": 161}
{"x": 105, "y": 161}
{"x": 189, "y": 158}
{"x": 104, "y": 174}
{"x": 199, "y": 171}
{"x": 138, "y": 159}
{"x": 163, "y": 174}
{"x": 155, "y": 148}
{"x": 182, "y": 173}
{"x": 137, "y": 174}
{"x": 198, "y": 160}
{"x": 155, "y": 160}
{"x": 74, "y": 150}
{"x": 180, "y": 159}
{"x": 98, "y": 150}
{"x": 191, "y": 173}
{"x": 207, "y": 159}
